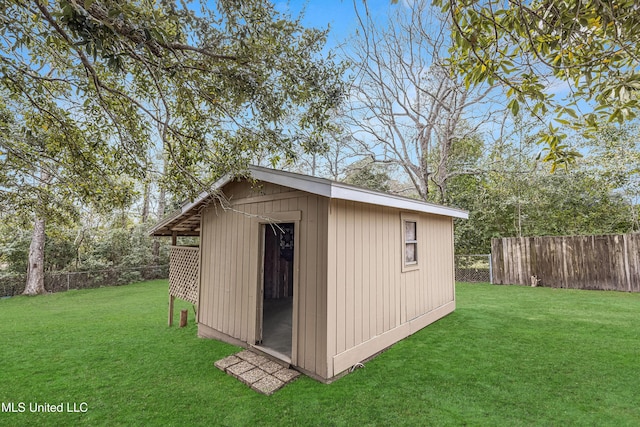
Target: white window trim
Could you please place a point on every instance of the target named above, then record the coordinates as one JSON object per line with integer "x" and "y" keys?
{"x": 410, "y": 266}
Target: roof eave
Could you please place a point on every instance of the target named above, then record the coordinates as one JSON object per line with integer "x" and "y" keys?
{"x": 337, "y": 190}
{"x": 347, "y": 192}
{"x": 319, "y": 186}
{"x": 187, "y": 207}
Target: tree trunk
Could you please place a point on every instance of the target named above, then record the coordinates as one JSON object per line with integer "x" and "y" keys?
{"x": 313, "y": 164}
{"x": 162, "y": 202}
{"x": 442, "y": 174}
{"x": 145, "y": 201}
{"x": 35, "y": 270}
{"x": 35, "y": 273}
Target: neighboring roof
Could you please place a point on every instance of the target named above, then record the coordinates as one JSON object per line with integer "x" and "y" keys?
{"x": 186, "y": 221}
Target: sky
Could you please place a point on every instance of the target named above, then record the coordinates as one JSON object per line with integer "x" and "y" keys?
{"x": 339, "y": 15}
{"x": 341, "y": 18}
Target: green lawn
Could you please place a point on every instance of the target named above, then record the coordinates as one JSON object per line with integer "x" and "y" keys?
{"x": 507, "y": 356}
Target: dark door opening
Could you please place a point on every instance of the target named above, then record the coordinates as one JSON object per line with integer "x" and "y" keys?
{"x": 277, "y": 303}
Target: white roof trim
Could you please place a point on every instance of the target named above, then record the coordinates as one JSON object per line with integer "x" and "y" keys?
{"x": 331, "y": 189}
{"x": 322, "y": 187}
{"x": 339, "y": 191}
{"x": 310, "y": 184}
{"x": 206, "y": 194}
{"x": 336, "y": 190}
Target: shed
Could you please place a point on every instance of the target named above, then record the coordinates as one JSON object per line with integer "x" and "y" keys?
{"x": 315, "y": 272}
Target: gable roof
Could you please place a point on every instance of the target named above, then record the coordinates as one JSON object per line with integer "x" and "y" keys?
{"x": 186, "y": 220}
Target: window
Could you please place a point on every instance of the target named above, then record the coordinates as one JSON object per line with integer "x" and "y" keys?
{"x": 410, "y": 243}
{"x": 410, "y": 253}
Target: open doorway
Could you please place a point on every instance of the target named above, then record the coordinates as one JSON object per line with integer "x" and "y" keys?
{"x": 277, "y": 288}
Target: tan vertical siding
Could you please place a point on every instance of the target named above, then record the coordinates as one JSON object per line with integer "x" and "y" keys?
{"x": 241, "y": 189}
{"x": 254, "y": 269}
{"x": 373, "y": 274}
{"x": 365, "y": 221}
{"x": 379, "y": 281}
{"x": 351, "y": 295}
{"x": 358, "y": 302}
{"x": 341, "y": 290}
{"x": 385, "y": 262}
{"x": 302, "y": 240}
{"x": 245, "y": 280}
{"x": 231, "y": 267}
{"x": 320, "y": 264}
{"x": 332, "y": 284}
{"x": 236, "y": 282}
{"x": 215, "y": 315}
{"x": 349, "y": 288}
{"x": 307, "y": 294}
{"x": 431, "y": 286}
{"x": 205, "y": 250}
{"x": 229, "y": 276}
{"x": 371, "y": 302}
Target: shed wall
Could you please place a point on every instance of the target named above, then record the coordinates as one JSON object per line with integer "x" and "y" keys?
{"x": 371, "y": 303}
{"x": 230, "y": 266}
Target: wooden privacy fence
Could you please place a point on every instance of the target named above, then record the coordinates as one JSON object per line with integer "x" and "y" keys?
{"x": 610, "y": 262}
{"x": 184, "y": 275}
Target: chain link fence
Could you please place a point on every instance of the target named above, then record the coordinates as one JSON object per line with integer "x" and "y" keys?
{"x": 473, "y": 268}
{"x": 13, "y": 284}
{"x": 468, "y": 268}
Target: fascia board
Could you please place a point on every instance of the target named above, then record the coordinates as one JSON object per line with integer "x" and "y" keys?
{"x": 206, "y": 194}
{"x": 185, "y": 208}
{"x": 365, "y": 196}
{"x": 319, "y": 186}
{"x": 324, "y": 188}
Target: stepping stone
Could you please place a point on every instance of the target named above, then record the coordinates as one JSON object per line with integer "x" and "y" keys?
{"x": 252, "y": 357}
{"x": 267, "y": 385}
{"x": 258, "y": 372}
{"x": 240, "y": 368}
{"x": 252, "y": 376}
{"x": 286, "y": 375}
{"x": 223, "y": 364}
{"x": 270, "y": 366}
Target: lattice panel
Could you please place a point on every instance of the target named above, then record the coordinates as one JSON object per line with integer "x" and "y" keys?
{"x": 184, "y": 273}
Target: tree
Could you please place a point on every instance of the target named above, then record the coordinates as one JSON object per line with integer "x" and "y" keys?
{"x": 408, "y": 108}
{"x": 87, "y": 82}
{"x": 368, "y": 174}
{"x": 226, "y": 80}
{"x": 44, "y": 173}
{"x": 590, "y": 46}
{"x": 614, "y": 158}
{"x": 333, "y": 158}
{"x": 515, "y": 196}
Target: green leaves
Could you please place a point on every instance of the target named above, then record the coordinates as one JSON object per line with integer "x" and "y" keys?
{"x": 589, "y": 45}
{"x": 514, "y": 106}
{"x": 214, "y": 89}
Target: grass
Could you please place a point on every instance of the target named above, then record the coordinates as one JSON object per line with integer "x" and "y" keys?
{"x": 507, "y": 356}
